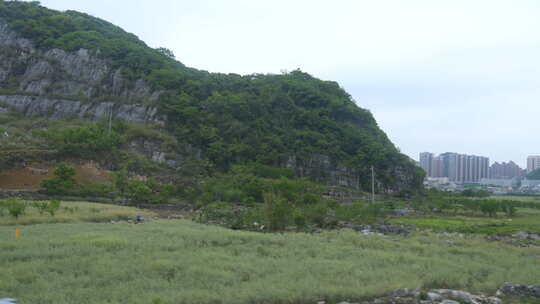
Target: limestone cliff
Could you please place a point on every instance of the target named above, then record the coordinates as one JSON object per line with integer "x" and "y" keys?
{"x": 58, "y": 84}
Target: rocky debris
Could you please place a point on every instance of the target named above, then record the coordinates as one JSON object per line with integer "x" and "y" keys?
{"x": 527, "y": 236}
{"x": 435, "y": 296}
{"x": 344, "y": 195}
{"x": 519, "y": 290}
{"x": 521, "y": 239}
{"x": 406, "y": 211}
{"x": 140, "y": 218}
{"x": 380, "y": 229}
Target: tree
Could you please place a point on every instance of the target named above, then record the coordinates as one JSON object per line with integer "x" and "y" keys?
{"x": 15, "y": 207}
{"x": 166, "y": 52}
{"x": 63, "y": 181}
{"x": 139, "y": 191}
{"x": 121, "y": 180}
{"x": 65, "y": 172}
{"x": 277, "y": 211}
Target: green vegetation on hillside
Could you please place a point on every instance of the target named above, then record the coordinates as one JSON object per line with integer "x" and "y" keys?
{"x": 233, "y": 119}
{"x": 73, "y": 30}
{"x": 180, "y": 261}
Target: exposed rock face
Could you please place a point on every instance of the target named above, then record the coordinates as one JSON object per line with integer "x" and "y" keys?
{"x": 153, "y": 149}
{"x": 323, "y": 169}
{"x": 58, "y": 108}
{"x": 55, "y": 72}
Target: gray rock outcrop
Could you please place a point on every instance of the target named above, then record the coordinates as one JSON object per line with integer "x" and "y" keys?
{"x": 519, "y": 290}
{"x": 37, "y": 106}
{"x": 64, "y": 83}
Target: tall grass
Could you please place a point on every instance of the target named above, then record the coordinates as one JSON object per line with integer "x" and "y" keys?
{"x": 73, "y": 212}
{"x": 185, "y": 262}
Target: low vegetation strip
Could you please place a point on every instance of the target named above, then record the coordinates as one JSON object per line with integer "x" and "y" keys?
{"x": 34, "y": 213}
{"x": 525, "y": 219}
{"x": 185, "y": 262}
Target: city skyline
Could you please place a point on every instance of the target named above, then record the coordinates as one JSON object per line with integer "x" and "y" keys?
{"x": 456, "y": 167}
{"x": 522, "y": 162}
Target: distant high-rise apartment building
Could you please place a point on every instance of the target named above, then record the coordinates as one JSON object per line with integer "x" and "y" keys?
{"x": 426, "y": 160}
{"x": 457, "y": 167}
{"x": 437, "y": 167}
{"x": 533, "y": 163}
{"x": 504, "y": 170}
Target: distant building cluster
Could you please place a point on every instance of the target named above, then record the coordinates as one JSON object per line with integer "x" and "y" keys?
{"x": 504, "y": 170}
{"x": 456, "y": 167}
{"x": 533, "y": 163}
{"x": 454, "y": 172}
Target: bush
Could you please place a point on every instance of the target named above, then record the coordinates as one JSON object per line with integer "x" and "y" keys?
{"x": 299, "y": 219}
{"x": 475, "y": 193}
{"x": 15, "y": 207}
{"x": 86, "y": 141}
{"x": 41, "y": 207}
{"x": 53, "y": 207}
{"x": 489, "y": 207}
{"x": 63, "y": 181}
{"x": 139, "y": 191}
{"x": 96, "y": 190}
{"x": 277, "y": 212}
{"x": 317, "y": 213}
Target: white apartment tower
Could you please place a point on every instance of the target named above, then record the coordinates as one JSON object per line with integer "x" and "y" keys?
{"x": 533, "y": 163}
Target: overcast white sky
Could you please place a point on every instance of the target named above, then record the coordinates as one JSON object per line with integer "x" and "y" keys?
{"x": 439, "y": 76}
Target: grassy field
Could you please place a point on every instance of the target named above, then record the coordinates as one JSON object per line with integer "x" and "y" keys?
{"x": 172, "y": 261}
{"x": 527, "y": 220}
{"x": 75, "y": 212}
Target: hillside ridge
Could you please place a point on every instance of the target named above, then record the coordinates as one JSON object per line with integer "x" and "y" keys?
{"x": 64, "y": 65}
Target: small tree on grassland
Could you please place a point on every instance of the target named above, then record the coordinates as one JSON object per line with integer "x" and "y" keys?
{"x": 15, "y": 207}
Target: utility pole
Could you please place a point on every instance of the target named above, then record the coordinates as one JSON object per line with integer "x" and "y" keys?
{"x": 372, "y": 184}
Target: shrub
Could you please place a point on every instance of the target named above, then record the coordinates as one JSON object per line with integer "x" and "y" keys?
{"x": 489, "y": 207}
{"x": 139, "y": 191}
{"x": 41, "y": 207}
{"x": 15, "y": 207}
{"x": 85, "y": 141}
{"x": 96, "y": 190}
{"x": 121, "y": 180}
{"x": 63, "y": 181}
{"x": 277, "y": 211}
{"x": 299, "y": 219}
{"x": 317, "y": 213}
{"x": 53, "y": 207}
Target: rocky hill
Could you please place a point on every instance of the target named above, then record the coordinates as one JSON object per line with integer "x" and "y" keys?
{"x": 69, "y": 65}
